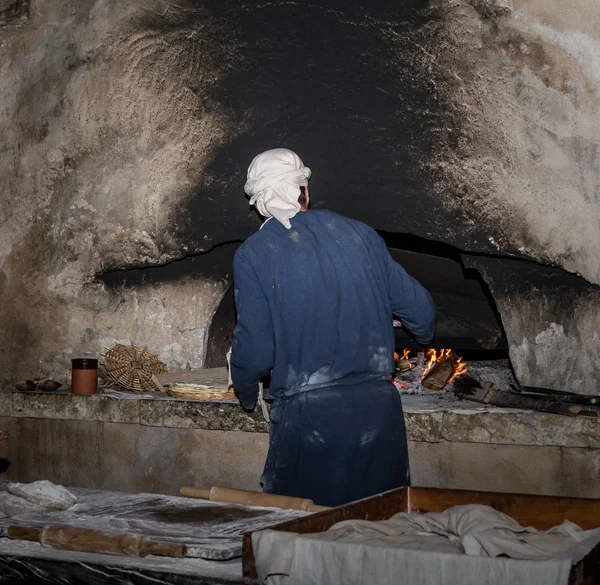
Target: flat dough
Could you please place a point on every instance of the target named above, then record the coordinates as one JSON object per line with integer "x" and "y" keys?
{"x": 44, "y": 493}
{"x": 200, "y": 392}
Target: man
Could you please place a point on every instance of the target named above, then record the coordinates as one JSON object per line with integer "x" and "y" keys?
{"x": 315, "y": 294}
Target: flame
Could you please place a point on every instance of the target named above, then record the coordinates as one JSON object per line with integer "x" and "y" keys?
{"x": 460, "y": 367}
{"x": 433, "y": 357}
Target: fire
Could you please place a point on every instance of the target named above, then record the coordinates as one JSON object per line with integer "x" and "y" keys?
{"x": 460, "y": 367}
{"x": 433, "y": 356}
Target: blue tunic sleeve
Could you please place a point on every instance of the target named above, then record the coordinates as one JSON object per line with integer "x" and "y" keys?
{"x": 253, "y": 350}
{"x": 410, "y": 301}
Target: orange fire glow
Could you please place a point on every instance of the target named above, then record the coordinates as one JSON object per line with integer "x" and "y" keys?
{"x": 433, "y": 356}
{"x": 460, "y": 367}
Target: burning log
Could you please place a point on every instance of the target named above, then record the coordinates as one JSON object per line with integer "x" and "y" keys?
{"x": 438, "y": 375}
{"x": 432, "y": 370}
{"x": 443, "y": 369}
{"x": 402, "y": 363}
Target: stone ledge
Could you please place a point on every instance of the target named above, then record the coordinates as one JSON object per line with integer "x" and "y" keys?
{"x": 209, "y": 415}
{"x": 521, "y": 428}
{"x": 66, "y": 406}
{"x": 488, "y": 425}
{"x": 158, "y": 412}
{"x": 424, "y": 426}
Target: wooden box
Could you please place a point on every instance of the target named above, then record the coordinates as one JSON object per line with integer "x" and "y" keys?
{"x": 541, "y": 512}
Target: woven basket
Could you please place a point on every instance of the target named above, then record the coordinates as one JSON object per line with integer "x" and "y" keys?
{"x": 134, "y": 368}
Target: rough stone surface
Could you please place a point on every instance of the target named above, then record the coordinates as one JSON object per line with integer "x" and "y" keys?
{"x": 213, "y": 416}
{"x": 10, "y": 426}
{"x": 555, "y": 353}
{"x": 515, "y": 469}
{"x": 64, "y": 452}
{"x": 14, "y": 12}
{"x": 525, "y": 82}
{"x": 552, "y": 323}
{"x": 127, "y": 128}
{"x": 73, "y": 407}
{"x": 133, "y": 458}
{"x": 578, "y": 472}
{"x": 500, "y": 468}
{"x": 424, "y": 426}
{"x": 91, "y": 177}
{"x": 158, "y": 412}
{"x": 138, "y": 458}
{"x": 426, "y": 421}
{"x": 520, "y": 428}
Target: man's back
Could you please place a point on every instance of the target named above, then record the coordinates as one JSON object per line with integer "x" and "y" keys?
{"x": 315, "y": 304}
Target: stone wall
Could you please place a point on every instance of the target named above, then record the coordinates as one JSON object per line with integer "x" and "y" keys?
{"x": 158, "y": 445}
{"x": 99, "y": 151}
{"x": 128, "y": 126}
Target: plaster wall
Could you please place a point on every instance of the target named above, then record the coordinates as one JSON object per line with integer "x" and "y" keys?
{"x": 551, "y": 320}
{"x": 127, "y": 128}
{"x": 95, "y": 157}
{"x": 525, "y": 162}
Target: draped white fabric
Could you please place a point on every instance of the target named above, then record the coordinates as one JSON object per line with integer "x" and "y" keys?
{"x": 274, "y": 180}
{"x": 470, "y": 545}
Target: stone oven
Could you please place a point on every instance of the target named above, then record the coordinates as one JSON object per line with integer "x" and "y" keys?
{"x": 468, "y": 124}
{"x": 464, "y": 131}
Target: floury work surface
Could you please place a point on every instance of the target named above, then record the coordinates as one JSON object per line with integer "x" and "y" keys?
{"x": 209, "y": 530}
{"x": 32, "y": 563}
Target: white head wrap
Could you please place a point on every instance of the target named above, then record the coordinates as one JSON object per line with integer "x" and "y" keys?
{"x": 274, "y": 180}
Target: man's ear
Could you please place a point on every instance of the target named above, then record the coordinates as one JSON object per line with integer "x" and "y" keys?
{"x": 307, "y": 196}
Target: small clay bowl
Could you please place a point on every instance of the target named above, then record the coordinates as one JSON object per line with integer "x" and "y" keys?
{"x": 26, "y": 386}
{"x": 48, "y": 385}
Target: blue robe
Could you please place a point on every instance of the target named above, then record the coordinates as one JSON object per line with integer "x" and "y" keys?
{"x": 314, "y": 306}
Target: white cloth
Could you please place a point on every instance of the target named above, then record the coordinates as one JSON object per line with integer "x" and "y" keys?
{"x": 461, "y": 545}
{"x": 274, "y": 180}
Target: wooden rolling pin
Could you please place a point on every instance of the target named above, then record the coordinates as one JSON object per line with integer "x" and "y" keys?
{"x": 96, "y": 541}
{"x": 232, "y": 496}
